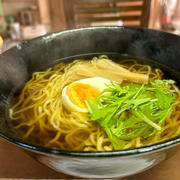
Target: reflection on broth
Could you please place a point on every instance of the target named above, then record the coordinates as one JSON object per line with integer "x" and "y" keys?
{"x": 98, "y": 105}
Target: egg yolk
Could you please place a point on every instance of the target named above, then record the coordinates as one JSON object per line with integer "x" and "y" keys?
{"x": 78, "y": 93}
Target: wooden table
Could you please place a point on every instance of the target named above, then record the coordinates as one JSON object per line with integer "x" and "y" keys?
{"x": 16, "y": 164}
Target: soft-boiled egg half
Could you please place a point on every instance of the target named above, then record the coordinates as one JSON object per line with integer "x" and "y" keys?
{"x": 75, "y": 94}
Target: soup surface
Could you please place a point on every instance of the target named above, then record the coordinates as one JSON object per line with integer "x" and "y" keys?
{"x": 98, "y": 105}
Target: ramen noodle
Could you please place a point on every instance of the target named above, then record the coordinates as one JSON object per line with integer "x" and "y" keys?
{"x": 53, "y": 111}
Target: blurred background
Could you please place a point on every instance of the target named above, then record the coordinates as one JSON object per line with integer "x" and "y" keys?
{"x": 26, "y": 19}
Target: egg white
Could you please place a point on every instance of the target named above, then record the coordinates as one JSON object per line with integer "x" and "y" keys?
{"x": 97, "y": 82}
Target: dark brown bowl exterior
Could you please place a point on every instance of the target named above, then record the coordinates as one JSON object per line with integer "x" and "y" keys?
{"x": 18, "y": 63}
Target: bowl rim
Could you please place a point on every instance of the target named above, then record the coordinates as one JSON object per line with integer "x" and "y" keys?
{"x": 123, "y": 152}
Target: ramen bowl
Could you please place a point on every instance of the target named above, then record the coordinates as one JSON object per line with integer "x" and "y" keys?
{"x": 156, "y": 48}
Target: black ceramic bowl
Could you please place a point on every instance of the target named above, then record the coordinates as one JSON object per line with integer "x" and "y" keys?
{"x": 18, "y": 63}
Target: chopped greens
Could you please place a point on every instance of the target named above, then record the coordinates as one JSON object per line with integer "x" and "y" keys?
{"x": 132, "y": 110}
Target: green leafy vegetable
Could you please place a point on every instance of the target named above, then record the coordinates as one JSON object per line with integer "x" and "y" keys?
{"x": 132, "y": 110}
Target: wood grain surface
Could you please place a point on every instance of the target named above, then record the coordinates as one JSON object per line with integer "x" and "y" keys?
{"x": 16, "y": 164}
